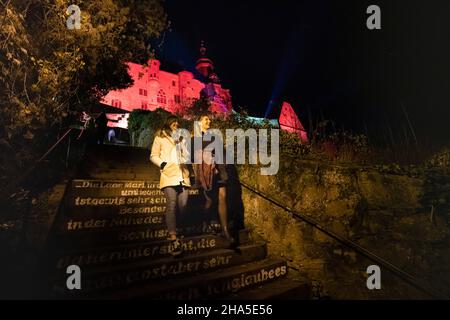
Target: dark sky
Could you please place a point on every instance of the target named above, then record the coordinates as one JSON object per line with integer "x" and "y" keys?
{"x": 319, "y": 55}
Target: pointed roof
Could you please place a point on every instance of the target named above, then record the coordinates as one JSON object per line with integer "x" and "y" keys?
{"x": 289, "y": 118}
{"x": 204, "y": 65}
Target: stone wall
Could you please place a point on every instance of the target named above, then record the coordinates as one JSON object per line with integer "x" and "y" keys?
{"x": 402, "y": 218}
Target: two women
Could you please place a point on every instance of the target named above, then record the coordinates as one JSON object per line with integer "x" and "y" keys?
{"x": 171, "y": 157}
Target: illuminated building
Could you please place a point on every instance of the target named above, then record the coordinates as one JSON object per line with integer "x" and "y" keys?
{"x": 175, "y": 92}
{"x": 155, "y": 88}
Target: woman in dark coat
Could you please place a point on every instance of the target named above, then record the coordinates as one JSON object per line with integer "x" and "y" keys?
{"x": 211, "y": 176}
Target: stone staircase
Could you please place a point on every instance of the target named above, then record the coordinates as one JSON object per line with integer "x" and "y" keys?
{"x": 111, "y": 224}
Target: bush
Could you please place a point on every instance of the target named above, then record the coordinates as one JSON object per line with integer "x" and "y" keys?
{"x": 145, "y": 123}
{"x": 440, "y": 159}
{"x": 47, "y": 71}
{"x": 338, "y": 146}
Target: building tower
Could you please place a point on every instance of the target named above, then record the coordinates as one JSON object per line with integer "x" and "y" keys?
{"x": 204, "y": 65}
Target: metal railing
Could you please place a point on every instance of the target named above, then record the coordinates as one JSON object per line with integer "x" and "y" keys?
{"x": 401, "y": 274}
{"x": 13, "y": 185}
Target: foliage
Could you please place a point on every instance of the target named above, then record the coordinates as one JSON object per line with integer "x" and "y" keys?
{"x": 343, "y": 146}
{"x": 292, "y": 146}
{"x": 325, "y": 145}
{"x": 48, "y": 71}
{"x": 142, "y": 121}
{"x": 440, "y": 159}
{"x": 198, "y": 107}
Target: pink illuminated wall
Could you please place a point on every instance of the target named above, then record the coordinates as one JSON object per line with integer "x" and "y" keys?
{"x": 290, "y": 122}
{"x": 154, "y": 88}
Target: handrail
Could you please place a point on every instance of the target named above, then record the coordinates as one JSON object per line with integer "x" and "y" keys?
{"x": 16, "y": 182}
{"x": 54, "y": 146}
{"x": 410, "y": 279}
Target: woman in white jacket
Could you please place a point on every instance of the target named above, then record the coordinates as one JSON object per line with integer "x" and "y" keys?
{"x": 169, "y": 156}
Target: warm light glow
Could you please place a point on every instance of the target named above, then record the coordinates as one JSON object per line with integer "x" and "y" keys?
{"x": 118, "y": 120}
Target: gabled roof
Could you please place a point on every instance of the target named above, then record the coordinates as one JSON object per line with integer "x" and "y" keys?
{"x": 289, "y": 118}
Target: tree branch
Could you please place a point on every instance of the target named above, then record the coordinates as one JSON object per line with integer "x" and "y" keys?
{"x": 4, "y": 16}
{"x": 25, "y": 87}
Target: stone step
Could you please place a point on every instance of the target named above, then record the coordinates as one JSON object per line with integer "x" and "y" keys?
{"x": 60, "y": 256}
{"x": 117, "y": 152}
{"x": 94, "y": 205}
{"x": 212, "y": 285}
{"x": 283, "y": 289}
{"x": 120, "y": 205}
{"x": 102, "y": 162}
{"x": 92, "y": 225}
{"x": 111, "y": 224}
{"x": 144, "y": 164}
{"x": 78, "y": 202}
{"x": 120, "y": 174}
{"x": 116, "y": 277}
{"x": 100, "y": 222}
{"x": 117, "y": 236}
{"x": 111, "y": 158}
{"x": 116, "y": 188}
{"x": 114, "y": 206}
{"x": 125, "y": 166}
{"x": 120, "y": 236}
{"x": 103, "y": 224}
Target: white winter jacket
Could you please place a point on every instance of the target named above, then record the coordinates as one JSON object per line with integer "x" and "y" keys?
{"x": 176, "y": 172}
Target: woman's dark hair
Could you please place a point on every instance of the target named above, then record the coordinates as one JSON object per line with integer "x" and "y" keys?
{"x": 166, "y": 126}
{"x": 197, "y": 127}
{"x": 202, "y": 115}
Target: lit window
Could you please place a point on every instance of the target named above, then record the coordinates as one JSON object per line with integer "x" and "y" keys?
{"x": 161, "y": 98}
{"x": 116, "y": 103}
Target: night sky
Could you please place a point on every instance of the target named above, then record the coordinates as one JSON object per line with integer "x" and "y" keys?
{"x": 319, "y": 56}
